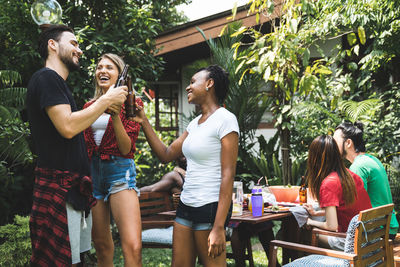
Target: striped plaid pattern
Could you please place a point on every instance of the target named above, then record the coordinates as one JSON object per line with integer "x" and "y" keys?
{"x": 48, "y": 223}
{"x": 109, "y": 145}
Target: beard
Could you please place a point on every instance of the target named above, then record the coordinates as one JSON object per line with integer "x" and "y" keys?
{"x": 67, "y": 59}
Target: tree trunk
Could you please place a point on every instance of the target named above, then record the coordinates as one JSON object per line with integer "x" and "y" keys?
{"x": 284, "y": 135}
{"x": 286, "y": 161}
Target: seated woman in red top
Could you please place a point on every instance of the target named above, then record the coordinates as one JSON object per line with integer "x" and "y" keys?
{"x": 340, "y": 192}
{"x": 111, "y": 145}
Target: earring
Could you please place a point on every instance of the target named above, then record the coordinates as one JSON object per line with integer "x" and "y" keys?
{"x": 207, "y": 88}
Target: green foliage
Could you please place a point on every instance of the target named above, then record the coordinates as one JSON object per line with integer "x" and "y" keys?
{"x": 13, "y": 145}
{"x": 282, "y": 57}
{"x": 312, "y": 96}
{"x": 373, "y": 29}
{"x": 354, "y": 111}
{"x": 262, "y": 163}
{"x": 13, "y": 131}
{"x": 9, "y": 77}
{"x": 18, "y": 40}
{"x": 15, "y": 246}
{"x": 11, "y": 96}
{"x": 312, "y": 119}
{"x": 15, "y": 153}
{"x": 148, "y": 167}
{"x": 14, "y": 96}
{"x": 382, "y": 132}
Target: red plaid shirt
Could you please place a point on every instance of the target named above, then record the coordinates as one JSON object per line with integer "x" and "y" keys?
{"x": 108, "y": 145}
{"x": 48, "y": 222}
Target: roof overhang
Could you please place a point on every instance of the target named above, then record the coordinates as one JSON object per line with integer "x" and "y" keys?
{"x": 187, "y": 35}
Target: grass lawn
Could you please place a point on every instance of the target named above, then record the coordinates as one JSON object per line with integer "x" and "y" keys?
{"x": 156, "y": 257}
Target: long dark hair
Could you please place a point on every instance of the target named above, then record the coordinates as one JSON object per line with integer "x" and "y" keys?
{"x": 324, "y": 158}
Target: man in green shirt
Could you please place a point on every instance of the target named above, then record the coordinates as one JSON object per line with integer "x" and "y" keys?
{"x": 349, "y": 138}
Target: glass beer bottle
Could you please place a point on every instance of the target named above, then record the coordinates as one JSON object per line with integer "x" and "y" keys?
{"x": 122, "y": 78}
{"x": 130, "y": 104}
{"x": 303, "y": 191}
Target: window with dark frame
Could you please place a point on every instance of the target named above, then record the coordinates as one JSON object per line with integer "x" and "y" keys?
{"x": 167, "y": 108}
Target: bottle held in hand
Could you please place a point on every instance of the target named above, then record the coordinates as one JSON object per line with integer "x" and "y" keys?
{"x": 122, "y": 77}
{"x": 122, "y": 80}
{"x": 130, "y": 102}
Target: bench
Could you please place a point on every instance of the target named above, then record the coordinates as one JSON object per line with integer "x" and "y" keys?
{"x": 157, "y": 229}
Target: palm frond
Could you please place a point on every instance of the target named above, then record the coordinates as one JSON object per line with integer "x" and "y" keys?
{"x": 4, "y": 172}
{"x": 5, "y": 114}
{"x": 13, "y": 97}
{"x": 9, "y": 77}
{"x": 354, "y": 110}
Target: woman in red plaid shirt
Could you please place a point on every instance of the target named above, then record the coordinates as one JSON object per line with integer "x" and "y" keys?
{"x": 111, "y": 146}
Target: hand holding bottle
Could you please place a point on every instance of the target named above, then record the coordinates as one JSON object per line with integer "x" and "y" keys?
{"x": 115, "y": 90}
{"x": 140, "y": 115}
{"x": 117, "y": 95}
{"x": 114, "y": 109}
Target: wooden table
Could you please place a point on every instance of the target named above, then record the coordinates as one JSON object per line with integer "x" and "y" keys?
{"x": 245, "y": 217}
{"x": 267, "y": 216}
{"x": 290, "y": 228}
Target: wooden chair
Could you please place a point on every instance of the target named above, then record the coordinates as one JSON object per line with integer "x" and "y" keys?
{"x": 152, "y": 203}
{"x": 396, "y": 250}
{"x": 371, "y": 243}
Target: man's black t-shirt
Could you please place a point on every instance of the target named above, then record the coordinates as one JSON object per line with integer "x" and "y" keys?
{"x": 47, "y": 88}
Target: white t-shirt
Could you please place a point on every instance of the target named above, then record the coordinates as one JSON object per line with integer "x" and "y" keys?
{"x": 202, "y": 149}
{"x": 99, "y": 127}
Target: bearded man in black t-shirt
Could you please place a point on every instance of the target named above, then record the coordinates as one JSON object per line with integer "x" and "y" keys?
{"x": 60, "y": 222}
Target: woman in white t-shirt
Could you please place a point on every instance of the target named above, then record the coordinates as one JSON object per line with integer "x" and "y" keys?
{"x": 210, "y": 145}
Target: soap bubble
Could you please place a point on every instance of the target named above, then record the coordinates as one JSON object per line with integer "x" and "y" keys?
{"x": 46, "y": 12}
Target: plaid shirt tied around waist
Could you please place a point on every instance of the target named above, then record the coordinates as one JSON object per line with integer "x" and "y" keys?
{"x": 48, "y": 223}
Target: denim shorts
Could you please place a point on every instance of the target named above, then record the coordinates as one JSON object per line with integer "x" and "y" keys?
{"x": 199, "y": 218}
{"x": 112, "y": 176}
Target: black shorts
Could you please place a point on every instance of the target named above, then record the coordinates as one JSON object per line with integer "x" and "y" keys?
{"x": 202, "y": 214}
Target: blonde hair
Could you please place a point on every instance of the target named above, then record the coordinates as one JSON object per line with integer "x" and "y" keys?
{"x": 117, "y": 60}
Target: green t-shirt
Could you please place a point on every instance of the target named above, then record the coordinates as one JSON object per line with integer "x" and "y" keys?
{"x": 376, "y": 182}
